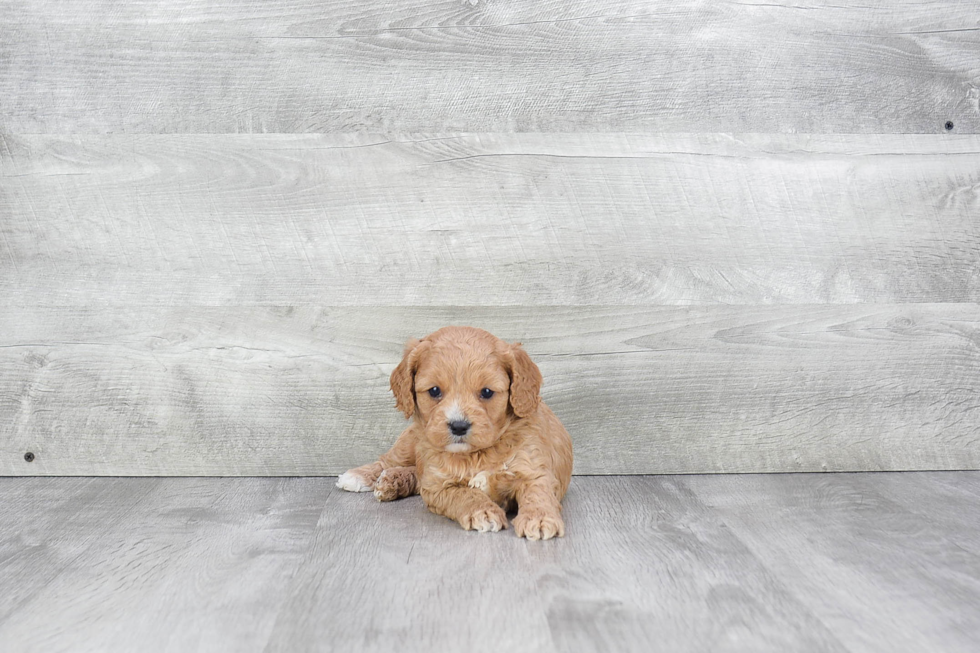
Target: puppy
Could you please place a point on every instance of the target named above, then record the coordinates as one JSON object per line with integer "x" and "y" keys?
{"x": 481, "y": 442}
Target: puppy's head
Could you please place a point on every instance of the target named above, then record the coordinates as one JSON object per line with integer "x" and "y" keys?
{"x": 465, "y": 386}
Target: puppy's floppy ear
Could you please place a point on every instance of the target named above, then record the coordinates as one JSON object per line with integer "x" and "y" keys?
{"x": 525, "y": 380}
{"x": 403, "y": 376}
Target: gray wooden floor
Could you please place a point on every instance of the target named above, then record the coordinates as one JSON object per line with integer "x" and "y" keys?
{"x": 819, "y": 562}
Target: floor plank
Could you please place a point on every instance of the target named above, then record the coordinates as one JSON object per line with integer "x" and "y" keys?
{"x": 819, "y": 562}
{"x": 645, "y": 562}
{"x": 47, "y": 528}
{"x": 891, "y": 558}
{"x": 191, "y": 565}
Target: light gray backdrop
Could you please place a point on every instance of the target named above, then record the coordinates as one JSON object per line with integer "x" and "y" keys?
{"x": 735, "y": 237}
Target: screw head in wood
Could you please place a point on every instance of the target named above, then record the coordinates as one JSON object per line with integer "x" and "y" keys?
{"x": 949, "y": 125}
{"x": 29, "y": 457}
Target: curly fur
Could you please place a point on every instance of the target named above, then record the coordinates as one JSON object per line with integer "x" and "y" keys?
{"x": 515, "y": 454}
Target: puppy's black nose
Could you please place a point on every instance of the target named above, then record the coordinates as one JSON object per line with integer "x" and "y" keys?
{"x": 460, "y": 427}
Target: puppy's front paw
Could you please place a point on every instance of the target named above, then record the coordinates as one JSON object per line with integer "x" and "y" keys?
{"x": 395, "y": 483}
{"x": 485, "y": 520}
{"x": 538, "y": 525}
{"x": 353, "y": 481}
{"x": 386, "y": 487}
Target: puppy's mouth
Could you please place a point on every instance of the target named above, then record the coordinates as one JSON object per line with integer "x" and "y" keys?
{"x": 458, "y": 444}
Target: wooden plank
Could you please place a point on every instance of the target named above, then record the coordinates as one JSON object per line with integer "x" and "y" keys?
{"x": 646, "y": 562}
{"x": 47, "y": 527}
{"x": 877, "y": 558}
{"x": 578, "y": 65}
{"x": 298, "y": 390}
{"x": 193, "y": 565}
{"x": 803, "y": 562}
{"x": 484, "y": 220}
{"x": 938, "y": 497}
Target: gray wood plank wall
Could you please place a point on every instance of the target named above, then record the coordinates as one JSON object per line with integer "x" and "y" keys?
{"x": 147, "y": 66}
{"x": 736, "y": 238}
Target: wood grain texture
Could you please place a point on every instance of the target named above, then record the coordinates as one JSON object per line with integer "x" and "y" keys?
{"x": 103, "y": 66}
{"x": 835, "y": 541}
{"x": 46, "y": 528}
{"x": 801, "y": 562}
{"x": 170, "y": 564}
{"x": 300, "y": 390}
{"x": 489, "y": 220}
{"x": 646, "y": 564}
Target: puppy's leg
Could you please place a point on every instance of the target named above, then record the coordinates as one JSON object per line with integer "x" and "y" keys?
{"x": 360, "y": 479}
{"x": 539, "y": 510}
{"x": 396, "y": 483}
{"x": 472, "y": 508}
{"x": 401, "y": 454}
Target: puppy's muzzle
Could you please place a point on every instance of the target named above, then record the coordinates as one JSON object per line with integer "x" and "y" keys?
{"x": 459, "y": 428}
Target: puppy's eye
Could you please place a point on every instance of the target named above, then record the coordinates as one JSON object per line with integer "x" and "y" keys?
{"x": 435, "y": 392}
{"x": 486, "y": 393}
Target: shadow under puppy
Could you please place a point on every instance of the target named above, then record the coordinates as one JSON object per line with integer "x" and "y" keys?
{"x": 480, "y": 441}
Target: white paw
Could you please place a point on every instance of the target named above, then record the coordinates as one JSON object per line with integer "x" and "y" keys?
{"x": 481, "y": 482}
{"x": 352, "y": 483}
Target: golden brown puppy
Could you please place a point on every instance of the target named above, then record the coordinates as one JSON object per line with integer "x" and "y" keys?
{"x": 481, "y": 440}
